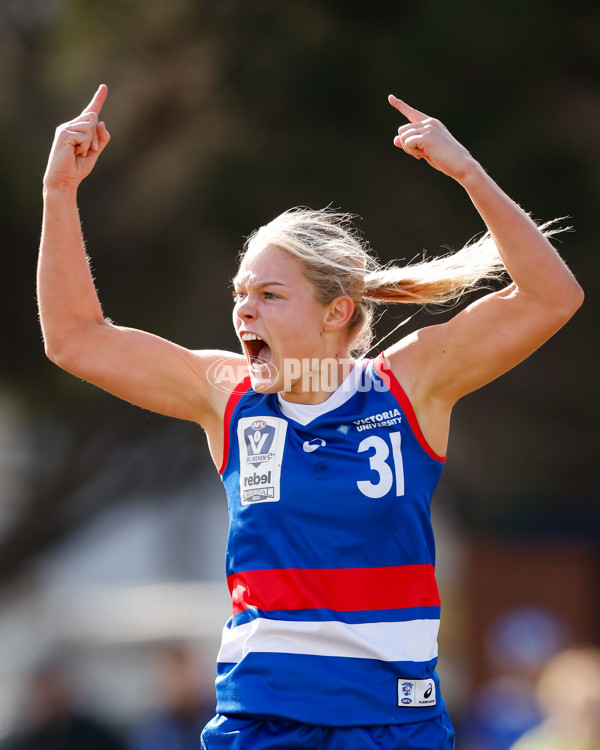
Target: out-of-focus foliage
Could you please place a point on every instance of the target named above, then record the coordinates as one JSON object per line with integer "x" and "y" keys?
{"x": 222, "y": 114}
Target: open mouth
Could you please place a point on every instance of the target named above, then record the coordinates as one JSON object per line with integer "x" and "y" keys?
{"x": 257, "y": 351}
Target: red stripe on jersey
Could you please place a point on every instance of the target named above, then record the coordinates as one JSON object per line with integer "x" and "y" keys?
{"x": 232, "y": 402}
{"x": 399, "y": 393}
{"x": 341, "y": 590}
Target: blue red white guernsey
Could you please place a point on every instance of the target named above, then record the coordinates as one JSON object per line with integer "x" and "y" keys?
{"x": 330, "y": 557}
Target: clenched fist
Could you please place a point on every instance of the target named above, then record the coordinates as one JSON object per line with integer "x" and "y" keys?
{"x": 77, "y": 146}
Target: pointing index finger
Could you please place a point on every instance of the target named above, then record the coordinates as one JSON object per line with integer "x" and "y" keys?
{"x": 411, "y": 114}
{"x": 97, "y": 100}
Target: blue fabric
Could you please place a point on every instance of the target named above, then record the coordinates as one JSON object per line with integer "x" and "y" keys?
{"x": 322, "y": 519}
{"x": 358, "y": 500}
{"x": 293, "y": 690}
{"x": 380, "y": 615}
{"x": 248, "y": 733}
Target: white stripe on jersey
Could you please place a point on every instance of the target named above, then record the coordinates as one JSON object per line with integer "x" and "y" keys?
{"x": 415, "y": 640}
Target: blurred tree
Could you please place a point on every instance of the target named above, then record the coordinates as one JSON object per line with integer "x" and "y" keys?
{"x": 224, "y": 114}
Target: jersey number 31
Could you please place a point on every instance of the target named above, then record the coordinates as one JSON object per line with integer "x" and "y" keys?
{"x": 378, "y": 462}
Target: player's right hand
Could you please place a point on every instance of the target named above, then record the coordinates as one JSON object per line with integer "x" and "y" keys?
{"x": 77, "y": 146}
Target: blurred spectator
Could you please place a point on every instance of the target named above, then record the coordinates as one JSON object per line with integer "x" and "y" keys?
{"x": 519, "y": 644}
{"x": 568, "y": 691}
{"x": 184, "y": 713}
{"x": 53, "y": 722}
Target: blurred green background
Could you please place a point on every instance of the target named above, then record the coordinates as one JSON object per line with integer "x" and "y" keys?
{"x": 223, "y": 114}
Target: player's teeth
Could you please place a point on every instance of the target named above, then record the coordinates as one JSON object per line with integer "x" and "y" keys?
{"x": 250, "y": 337}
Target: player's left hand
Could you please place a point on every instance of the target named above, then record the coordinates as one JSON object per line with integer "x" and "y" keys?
{"x": 426, "y": 138}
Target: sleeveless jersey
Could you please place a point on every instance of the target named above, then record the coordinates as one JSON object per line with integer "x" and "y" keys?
{"x": 330, "y": 557}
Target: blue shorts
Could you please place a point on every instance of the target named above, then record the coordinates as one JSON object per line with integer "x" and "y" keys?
{"x": 256, "y": 733}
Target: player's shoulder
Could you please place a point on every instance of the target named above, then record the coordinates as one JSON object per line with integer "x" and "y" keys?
{"x": 218, "y": 374}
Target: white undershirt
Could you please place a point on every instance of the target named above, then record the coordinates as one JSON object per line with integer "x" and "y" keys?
{"x": 305, "y": 413}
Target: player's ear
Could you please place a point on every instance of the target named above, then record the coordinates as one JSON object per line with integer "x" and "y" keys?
{"x": 338, "y": 313}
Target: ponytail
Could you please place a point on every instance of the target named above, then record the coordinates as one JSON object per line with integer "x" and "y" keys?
{"x": 436, "y": 280}
{"x": 338, "y": 262}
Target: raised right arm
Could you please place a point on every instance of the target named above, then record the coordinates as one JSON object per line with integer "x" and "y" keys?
{"x": 134, "y": 365}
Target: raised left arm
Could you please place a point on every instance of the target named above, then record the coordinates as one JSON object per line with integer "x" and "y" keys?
{"x": 499, "y": 330}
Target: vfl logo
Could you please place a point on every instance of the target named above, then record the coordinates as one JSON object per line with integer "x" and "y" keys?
{"x": 261, "y": 443}
{"x": 259, "y": 439}
{"x": 311, "y": 445}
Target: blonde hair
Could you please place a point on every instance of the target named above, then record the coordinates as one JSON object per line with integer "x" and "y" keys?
{"x": 337, "y": 261}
